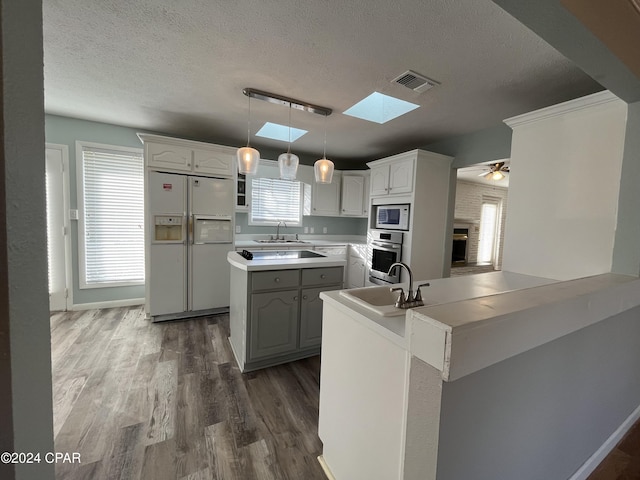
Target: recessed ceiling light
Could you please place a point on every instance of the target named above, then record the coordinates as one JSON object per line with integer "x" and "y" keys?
{"x": 380, "y": 108}
{"x": 280, "y": 132}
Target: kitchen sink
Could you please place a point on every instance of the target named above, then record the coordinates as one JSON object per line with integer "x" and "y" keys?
{"x": 280, "y": 241}
{"x": 379, "y": 300}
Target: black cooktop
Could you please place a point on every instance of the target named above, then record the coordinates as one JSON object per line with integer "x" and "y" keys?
{"x": 281, "y": 254}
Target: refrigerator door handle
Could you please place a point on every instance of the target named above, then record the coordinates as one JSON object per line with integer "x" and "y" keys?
{"x": 190, "y": 220}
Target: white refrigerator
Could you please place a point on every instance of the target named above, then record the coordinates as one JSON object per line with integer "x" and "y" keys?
{"x": 190, "y": 223}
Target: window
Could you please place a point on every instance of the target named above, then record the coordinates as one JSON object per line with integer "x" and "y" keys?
{"x": 489, "y": 223}
{"x": 274, "y": 200}
{"x": 111, "y": 215}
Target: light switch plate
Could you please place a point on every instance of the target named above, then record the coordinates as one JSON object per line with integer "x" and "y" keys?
{"x": 73, "y": 214}
{"x": 324, "y": 229}
{"x": 238, "y": 229}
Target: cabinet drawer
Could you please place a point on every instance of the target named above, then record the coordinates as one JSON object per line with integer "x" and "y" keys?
{"x": 321, "y": 276}
{"x": 274, "y": 279}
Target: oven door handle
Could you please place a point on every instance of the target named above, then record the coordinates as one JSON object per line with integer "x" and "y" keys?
{"x": 386, "y": 245}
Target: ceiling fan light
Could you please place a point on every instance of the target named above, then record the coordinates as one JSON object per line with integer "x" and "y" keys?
{"x": 288, "y": 163}
{"x": 248, "y": 159}
{"x": 323, "y": 170}
{"x": 497, "y": 175}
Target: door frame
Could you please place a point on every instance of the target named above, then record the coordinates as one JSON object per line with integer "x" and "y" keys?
{"x": 68, "y": 274}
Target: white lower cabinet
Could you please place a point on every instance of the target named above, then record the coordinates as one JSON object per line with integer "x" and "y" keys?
{"x": 356, "y": 266}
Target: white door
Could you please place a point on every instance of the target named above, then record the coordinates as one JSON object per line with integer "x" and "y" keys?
{"x": 56, "y": 231}
{"x": 212, "y": 209}
{"x": 167, "y": 268}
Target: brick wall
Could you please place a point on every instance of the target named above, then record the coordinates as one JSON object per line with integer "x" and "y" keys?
{"x": 467, "y": 210}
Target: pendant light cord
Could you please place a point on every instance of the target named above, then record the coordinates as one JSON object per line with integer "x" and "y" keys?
{"x": 289, "y": 146}
{"x": 249, "y": 122}
{"x": 324, "y": 153}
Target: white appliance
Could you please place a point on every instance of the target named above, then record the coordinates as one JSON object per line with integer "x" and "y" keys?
{"x": 189, "y": 230}
{"x": 392, "y": 217}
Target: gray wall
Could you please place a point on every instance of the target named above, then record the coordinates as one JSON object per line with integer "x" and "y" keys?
{"x": 335, "y": 226}
{"x": 626, "y": 251}
{"x": 66, "y": 131}
{"x": 483, "y": 146}
{"x": 26, "y": 359}
{"x": 543, "y": 413}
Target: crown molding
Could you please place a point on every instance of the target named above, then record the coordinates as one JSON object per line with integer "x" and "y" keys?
{"x": 575, "y": 105}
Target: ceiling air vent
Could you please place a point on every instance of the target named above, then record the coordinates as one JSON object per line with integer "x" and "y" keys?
{"x": 415, "y": 81}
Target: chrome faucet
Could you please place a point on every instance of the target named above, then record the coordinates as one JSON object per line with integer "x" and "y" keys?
{"x": 410, "y": 300}
{"x": 278, "y": 230}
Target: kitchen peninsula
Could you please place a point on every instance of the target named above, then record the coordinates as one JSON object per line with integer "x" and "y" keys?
{"x": 497, "y": 377}
{"x": 275, "y": 309}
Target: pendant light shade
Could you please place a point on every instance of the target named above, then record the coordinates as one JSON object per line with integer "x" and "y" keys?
{"x": 248, "y": 158}
{"x": 323, "y": 170}
{"x": 288, "y": 162}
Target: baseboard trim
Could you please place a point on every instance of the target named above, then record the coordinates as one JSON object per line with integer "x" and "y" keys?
{"x": 129, "y": 302}
{"x": 325, "y": 468}
{"x": 596, "y": 459}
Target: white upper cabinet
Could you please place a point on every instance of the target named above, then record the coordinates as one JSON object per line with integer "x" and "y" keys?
{"x": 401, "y": 176}
{"x": 178, "y": 155}
{"x": 213, "y": 162}
{"x": 325, "y": 197}
{"x": 380, "y": 180}
{"x": 353, "y": 195}
{"x": 392, "y": 176}
{"x": 168, "y": 157}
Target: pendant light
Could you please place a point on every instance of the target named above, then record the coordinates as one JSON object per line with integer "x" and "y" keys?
{"x": 323, "y": 168}
{"x": 248, "y": 158}
{"x": 288, "y": 162}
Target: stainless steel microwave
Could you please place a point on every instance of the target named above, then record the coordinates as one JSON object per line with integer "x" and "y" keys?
{"x": 392, "y": 217}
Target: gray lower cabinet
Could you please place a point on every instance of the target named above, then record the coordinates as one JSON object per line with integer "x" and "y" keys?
{"x": 276, "y": 315}
{"x": 311, "y": 316}
{"x": 273, "y": 324}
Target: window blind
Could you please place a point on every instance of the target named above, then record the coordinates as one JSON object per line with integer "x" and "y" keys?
{"x": 274, "y": 200}
{"x": 113, "y": 197}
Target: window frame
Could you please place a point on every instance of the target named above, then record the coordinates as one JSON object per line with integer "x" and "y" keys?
{"x": 82, "y": 258}
{"x": 275, "y": 222}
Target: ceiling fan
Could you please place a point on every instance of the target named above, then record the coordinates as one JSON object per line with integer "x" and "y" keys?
{"x": 496, "y": 171}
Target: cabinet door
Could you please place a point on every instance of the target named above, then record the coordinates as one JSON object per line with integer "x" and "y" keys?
{"x": 356, "y": 272}
{"x": 311, "y": 316}
{"x": 401, "y": 176}
{"x": 365, "y": 200}
{"x": 211, "y": 162}
{"x": 380, "y": 180}
{"x": 353, "y": 195}
{"x": 168, "y": 157}
{"x": 325, "y": 197}
{"x": 274, "y": 323}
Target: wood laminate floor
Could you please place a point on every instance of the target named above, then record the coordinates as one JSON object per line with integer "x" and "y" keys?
{"x": 167, "y": 401}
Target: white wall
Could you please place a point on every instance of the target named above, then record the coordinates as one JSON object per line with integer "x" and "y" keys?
{"x": 563, "y": 188}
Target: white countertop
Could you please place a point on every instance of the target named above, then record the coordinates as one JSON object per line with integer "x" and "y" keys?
{"x": 463, "y": 337}
{"x": 236, "y": 260}
{"x": 474, "y": 321}
{"x": 441, "y": 291}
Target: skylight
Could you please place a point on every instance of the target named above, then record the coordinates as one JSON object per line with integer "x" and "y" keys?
{"x": 280, "y": 132}
{"x": 380, "y": 108}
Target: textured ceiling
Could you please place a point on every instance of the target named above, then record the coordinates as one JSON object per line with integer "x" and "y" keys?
{"x": 179, "y": 68}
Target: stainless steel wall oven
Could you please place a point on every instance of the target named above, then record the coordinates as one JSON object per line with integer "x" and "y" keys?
{"x": 386, "y": 249}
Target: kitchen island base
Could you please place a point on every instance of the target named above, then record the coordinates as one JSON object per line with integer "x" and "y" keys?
{"x": 275, "y": 308}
